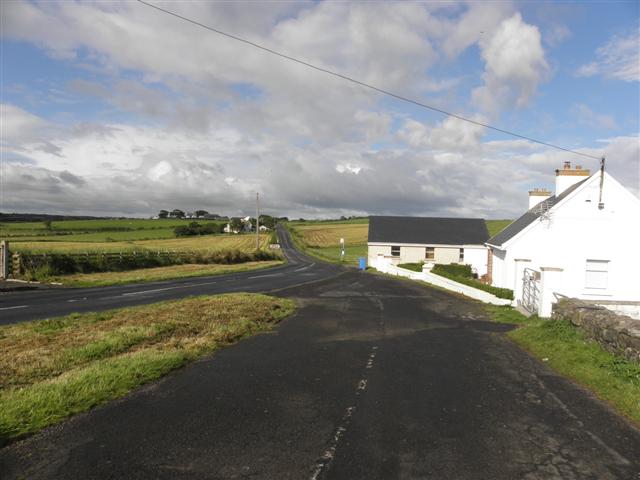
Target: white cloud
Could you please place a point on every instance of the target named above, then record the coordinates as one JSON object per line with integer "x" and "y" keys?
{"x": 619, "y": 59}
{"x": 452, "y": 134}
{"x": 514, "y": 65}
{"x": 18, "y": 124}
{"x": 588, "y": 117}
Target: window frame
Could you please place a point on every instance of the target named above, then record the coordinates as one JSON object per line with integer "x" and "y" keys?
{"x": 461, "y": 256}
{"x": 395, "y": 250}
{"x": 430, "y": 250}
{"x": 596, "y": 274}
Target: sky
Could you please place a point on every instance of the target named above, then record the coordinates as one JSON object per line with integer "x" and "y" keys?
{"x": 117, "y": 109}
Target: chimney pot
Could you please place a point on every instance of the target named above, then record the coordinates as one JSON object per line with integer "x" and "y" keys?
{"x": 567, "y": 165}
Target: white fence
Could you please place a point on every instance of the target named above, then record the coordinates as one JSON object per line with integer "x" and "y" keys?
{"x": 384, "y": 266}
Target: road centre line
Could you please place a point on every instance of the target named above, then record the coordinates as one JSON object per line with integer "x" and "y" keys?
{"x": 12, "y": 308}
{"x": 164, "y": 289}
{"x": 271, "y": 275}
{"x": 304, "y": 268}
{"x": 329, "y": 453}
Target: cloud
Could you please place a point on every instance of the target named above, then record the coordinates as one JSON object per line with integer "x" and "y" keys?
{"x": 452, "y": 134}
{"x": 588, "y": 117}
{"x": 556, "y": 34}
{"x": 619, "y": 59}
{"x": 192, "y": 120}
{"x": 514, "y": 65}
{"x": 18, "y": 124}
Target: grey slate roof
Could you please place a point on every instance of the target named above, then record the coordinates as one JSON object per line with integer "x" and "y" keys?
{"x": 428, "y": 230}
{"x": 530, "y": 216}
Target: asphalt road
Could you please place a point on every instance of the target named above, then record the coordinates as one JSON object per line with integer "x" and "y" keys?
{"x": 372, "y": 378}
{"x": 44, "y": 303}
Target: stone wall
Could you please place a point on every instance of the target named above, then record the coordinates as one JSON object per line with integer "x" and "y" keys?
{"x": 616, "y": 333}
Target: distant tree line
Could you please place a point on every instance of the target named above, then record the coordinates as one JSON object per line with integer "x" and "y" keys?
{"x": 177, "y": 213}
{"x": 194, "y": 228}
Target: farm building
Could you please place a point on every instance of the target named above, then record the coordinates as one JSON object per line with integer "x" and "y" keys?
{"x": 581, "y": 242}
{"x": 428, "y": 239}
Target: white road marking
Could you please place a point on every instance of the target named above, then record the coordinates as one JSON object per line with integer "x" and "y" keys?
{"x": 271, "y": 275}
{"x": 166, "y": 288}
{"x": 76, "y": 300}
{"x": 12, "y": 308}
{"x": 330, "y": 452}
{"x": 304, "y": 268}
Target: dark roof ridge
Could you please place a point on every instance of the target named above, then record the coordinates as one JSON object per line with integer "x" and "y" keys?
{"x": 531, "y": 215}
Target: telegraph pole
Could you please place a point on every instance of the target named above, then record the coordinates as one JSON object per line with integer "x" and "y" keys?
{"x": 257, "y": 221}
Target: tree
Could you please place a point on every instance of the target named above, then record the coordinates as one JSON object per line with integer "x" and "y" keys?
{"x": 201, "y": 213}
{"x": 47, "y": 225}
{"x": 236, "y": 224}
{"x": 177, "y": 213}
{"x": 163, "y": 214}
{"x": 268, "y": 221}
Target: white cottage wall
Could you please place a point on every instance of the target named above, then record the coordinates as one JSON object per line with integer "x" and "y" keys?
{"x": 579, "y": 231}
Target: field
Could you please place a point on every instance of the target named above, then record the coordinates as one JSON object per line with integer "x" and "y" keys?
{"x": 93, "y": 231}
{"x": 51, "y": 369}
{"x": 322, "y": 239}
{"x": 117, "y": 236}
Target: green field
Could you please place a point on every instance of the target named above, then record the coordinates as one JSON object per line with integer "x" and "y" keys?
{"x": 321, "y": 239}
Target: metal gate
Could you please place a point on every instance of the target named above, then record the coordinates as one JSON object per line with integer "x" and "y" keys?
{"x": 531, "y": 290}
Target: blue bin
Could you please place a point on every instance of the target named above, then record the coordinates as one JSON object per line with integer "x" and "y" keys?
{"x": 362, "y": 263}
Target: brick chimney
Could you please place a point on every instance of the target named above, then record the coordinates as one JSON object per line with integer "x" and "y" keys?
{"x": 538, "y": 195}
{"x": 568, "y": 176}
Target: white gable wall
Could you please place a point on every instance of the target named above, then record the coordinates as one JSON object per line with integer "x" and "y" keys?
{"x": 577, "y": 231}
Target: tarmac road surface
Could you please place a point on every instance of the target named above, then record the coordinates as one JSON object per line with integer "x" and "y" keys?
{"x": 371, "y": 378}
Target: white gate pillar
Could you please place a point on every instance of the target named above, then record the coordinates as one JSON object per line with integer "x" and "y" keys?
{"x": 521, "y": 264}
{"x": 551, "y": 281}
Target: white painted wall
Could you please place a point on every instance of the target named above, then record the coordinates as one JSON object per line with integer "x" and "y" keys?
{"x": 474, "y": 255}
{"x": 383, "y": 265}
{"x": 578, "y": 231}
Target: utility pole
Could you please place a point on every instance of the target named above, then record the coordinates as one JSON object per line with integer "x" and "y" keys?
{"x": 257, "y": 221}
{"x": 600, "y": 204}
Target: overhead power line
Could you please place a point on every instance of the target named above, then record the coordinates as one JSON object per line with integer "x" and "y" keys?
{"x": 363, "y": 84}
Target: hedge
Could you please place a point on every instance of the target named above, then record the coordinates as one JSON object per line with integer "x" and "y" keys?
{"x": 446, "y": 271}
{"x": 42, "y": 265}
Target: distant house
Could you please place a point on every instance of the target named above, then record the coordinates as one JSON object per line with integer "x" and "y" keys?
{"x": 581, "y": 242}
{"x": 264, "y": 228}
{"x": 428, "y": 239}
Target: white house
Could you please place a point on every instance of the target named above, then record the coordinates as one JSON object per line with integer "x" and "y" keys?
{"x": 583, "y": 242}
{"x": 428, "y": 239}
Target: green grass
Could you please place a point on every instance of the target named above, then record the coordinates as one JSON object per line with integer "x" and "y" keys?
{"x": 496, "y": 226}
{"x": 332, "y": 254}
{"x": 158, "y": 273}
{"x": 51, "y": 369}
{"x": 565, "y": 349}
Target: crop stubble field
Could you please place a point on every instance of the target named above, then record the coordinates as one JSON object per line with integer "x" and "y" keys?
{"x": 79, "y": 236}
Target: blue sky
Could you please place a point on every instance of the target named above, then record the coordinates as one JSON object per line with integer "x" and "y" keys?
{"x": 124, "y": 97}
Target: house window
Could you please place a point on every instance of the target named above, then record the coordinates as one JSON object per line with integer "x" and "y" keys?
{"x": 395, "y": 251}
{"x": 597, "y": 273}
{"x": 461, "y": 256}
{"x": 430, "y": 253}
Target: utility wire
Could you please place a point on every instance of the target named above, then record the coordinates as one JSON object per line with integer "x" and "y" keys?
{"x": 363, "y": 84}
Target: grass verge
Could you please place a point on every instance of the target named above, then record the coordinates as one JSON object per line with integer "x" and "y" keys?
{"x": 51, "y": 369}
{"x": 158, "y": 273}
{"x": 565, "y": 348}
